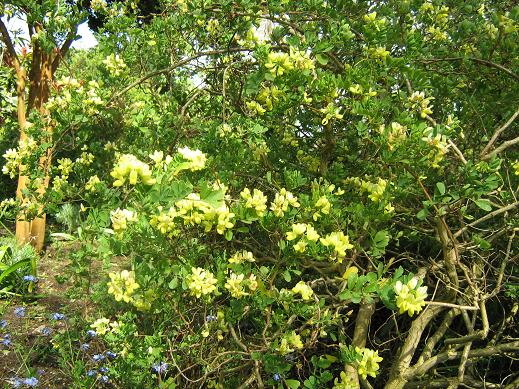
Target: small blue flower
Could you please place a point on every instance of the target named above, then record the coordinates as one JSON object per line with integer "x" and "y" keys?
{"x": 3, "y": 324}
{"x": 58, "y": 316}
{"x": 105, "y": 378}
{"x": 111, "y": 355}
{"x": 6, "y": 340}
{"x": 160, "y": 368}
{"x": 46, "y": 331}
{"x": 40, "y": 371}
{"x": 276, "y": 377}
{"x": 15, "y": 382}
{"x": 84, "y": 347}
{"x": 19, "y": 311}
{"x": 98, "y": 357}
{"x": 91, "y": 373}
{"x": 103, "y": 370}
{"x": 91, "y": 333}
{"x": 32, "y": 382}
{"x": 30, "y": 278}
{"x": 210, "y": 318}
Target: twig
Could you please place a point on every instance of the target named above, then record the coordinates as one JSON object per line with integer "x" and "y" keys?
{"x": 498, "y": 132}
{"x": 486, "y": 217}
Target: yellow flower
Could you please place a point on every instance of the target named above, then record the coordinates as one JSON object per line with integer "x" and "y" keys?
{"x": 256, "y": 201}
{"x": 201, "y": 282}
{"x": 282, "y": 201}
{"x": 301, "y": 59}
{"x": 349, "y": 271}
{"x": 114, "y": 64}
{"x": 129, "y": 168}
{"x": 234, "y": 285}
{"x": 368, "y": 365}
{"x": 298, "y": 229}
{"x": 101, "y": 326}
{"x": 120, "y": 218}
{"x": 278, "y": 63}
{"x": 304, "y": 290}
{"x": 311, "y": 233}
{"x": 515, "y": 166}
{"x": 242, "y": 256}
{"x": 289, "y": 341}
{"x": 418, "y": 102}
{"x": 300, "y": 246}
{"x": 410, "y": 298}
{"x": 339, "y": 242}
{"x": 255, "y": 107}
{"x": 196, "y": 157}
{"x": 122, "y": 285}
{"x": 323, "y": 206}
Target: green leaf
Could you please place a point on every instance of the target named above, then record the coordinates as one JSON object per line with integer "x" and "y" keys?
{"x": 484, "y": 204}
{"x": 13, "y": 268}
{"x": 441, "y": 187}
{"x": 321, "y": 59}
{"x": 292, "y": 384}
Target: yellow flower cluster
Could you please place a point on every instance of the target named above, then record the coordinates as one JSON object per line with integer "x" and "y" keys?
{"x": 193, "y": 211}
{"x": 282, "y": 201}
{"x": 303, "y": 232}
{"x": 114, "y": 64}
{"x": 301, "y": 60}
{"x": 330, "y": 112}
{"x": 122, "y": 285}
{"x": 368, "y": 365}
{"x": 339, "y": 242}
{"x": 93, "y": 101}
{"x": 196, "y": 158}
{"x": 410, "y": 298}
{"x": 289, "y": 343}
{"x": 14, "y": 157}
{"x": 120, "y": 219}
{"x": 242, "y": 256}
{"x": 129, "y": 168}
{"x": 269, "y": 96}
{"x": 257, "y": 200}
{"x": 395, "y": 134}
{"x": 376, "y": 191}
{"x": 439, "y": 144}
{"x": 255, "y": 107}
{"x": 92, "y": 183}
{"x": 103, "y": 325}
{"x": 304, "y": 290}
{"x": 278, "y": 63}
{"x": 418, "y": 102}
{"x": 515, "y": 166}
{"x": 378, "y": 53}
{"x": 236, "y": 284}
{"x": 323, "y": 207}
{"x": 201, "y": 282}
{"x": 165, "y": 222}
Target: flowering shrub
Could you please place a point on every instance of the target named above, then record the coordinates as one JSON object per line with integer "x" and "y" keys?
{"x": 277, "y": 199}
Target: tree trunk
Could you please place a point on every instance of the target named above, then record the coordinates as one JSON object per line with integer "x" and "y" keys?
{"x": 40, "y": 78}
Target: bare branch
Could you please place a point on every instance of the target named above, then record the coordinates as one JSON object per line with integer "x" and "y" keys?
{"x": 10, "y": 47}
{"x": 451, "y": 354}
{"x": 498, "y": 132}
{"x": 477, "y": 60}
{"x": 62, "y": 51}
{"x": 502, "y": 148}
{"x": 486, "y": 217}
